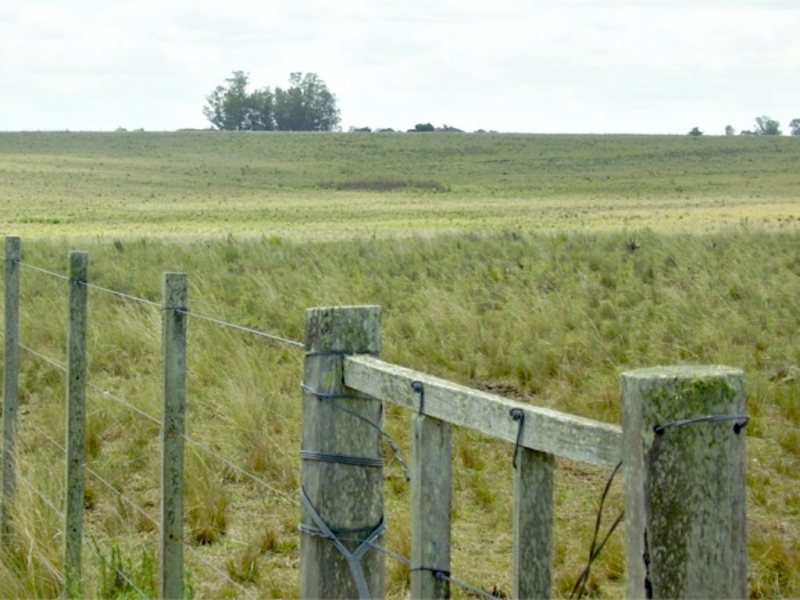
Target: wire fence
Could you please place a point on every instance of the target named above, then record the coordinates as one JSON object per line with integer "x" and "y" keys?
{"x": 119, "y": 493}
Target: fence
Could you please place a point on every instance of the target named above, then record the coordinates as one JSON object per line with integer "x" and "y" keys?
{"x": 683, "y": 461}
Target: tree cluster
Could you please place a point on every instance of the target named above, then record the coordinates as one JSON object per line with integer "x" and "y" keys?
{"x": 766, "y": 126}
{"x": 306, "y": 105}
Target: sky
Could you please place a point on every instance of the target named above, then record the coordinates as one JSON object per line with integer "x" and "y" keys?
{"x": 532, "y": 66}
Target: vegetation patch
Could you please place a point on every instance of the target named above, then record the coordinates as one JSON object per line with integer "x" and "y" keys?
{"x": 386, "y": 185}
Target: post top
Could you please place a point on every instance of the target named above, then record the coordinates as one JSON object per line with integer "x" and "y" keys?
{"x": 683, "y": 372}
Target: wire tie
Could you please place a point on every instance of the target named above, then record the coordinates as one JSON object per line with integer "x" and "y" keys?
{"x": 419, "y": 388}
{"x": 517, "y": 414}
{"x": 737, "y": 427}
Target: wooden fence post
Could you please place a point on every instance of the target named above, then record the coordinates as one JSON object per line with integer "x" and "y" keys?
{"x": 341, "y": 469}
{"x": 174, "y": 286}
{"x": 10, "y": 385}
{"x": 533, "y": 524}
{"x": 684, "y": 461}
{"x": 76, "y": 421}
{"x": 431, "y": 496}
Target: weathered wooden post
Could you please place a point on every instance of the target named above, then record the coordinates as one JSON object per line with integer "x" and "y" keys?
{"x": 533, "y": 523}
{"x": 342, "y": 469}
{"x": 684, "y": 461}
{"x": 76, "y": 421}
{"x": 172, "y": 431}
{"x": 431, "y": 499}
{"x": 10, "y": 385}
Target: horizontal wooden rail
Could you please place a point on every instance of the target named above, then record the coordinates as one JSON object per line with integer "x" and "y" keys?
{"x": 545, "y": 430}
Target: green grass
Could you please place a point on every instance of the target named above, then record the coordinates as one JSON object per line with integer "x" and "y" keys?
{"x": 536, "y": 306}
{"x": 337, "y": 186}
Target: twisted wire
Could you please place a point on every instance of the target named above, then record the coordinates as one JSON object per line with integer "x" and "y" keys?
{"x": 594, "y": 548}
{"x": 436, "y": 573}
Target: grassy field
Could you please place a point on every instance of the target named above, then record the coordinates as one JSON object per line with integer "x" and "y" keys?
{"x": 539, "y": 267}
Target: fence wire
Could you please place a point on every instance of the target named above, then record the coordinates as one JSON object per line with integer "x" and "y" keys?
{"x": 256, "y": 332}
{"x": 44, "y": 271}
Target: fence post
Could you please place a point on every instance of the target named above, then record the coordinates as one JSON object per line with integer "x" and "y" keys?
{"x": 173, "y": 330}
{"x": 684, "y": 452}
{"x": 76, "y": 420}
{"x": 533, "y": 524}
{"x": 10, "y": 385}
{"x": 342, "y": 469}
{"x": 431, "y": 498}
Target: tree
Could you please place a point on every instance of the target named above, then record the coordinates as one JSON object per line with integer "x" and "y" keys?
{"x": 767, "y": 126}
{"x": 729, "y": 130}
{"x": 307, "y": 105}
{"x": 232, "y": 108}
{"x": 795, "y": 126}
{"x": 695, "y": 132}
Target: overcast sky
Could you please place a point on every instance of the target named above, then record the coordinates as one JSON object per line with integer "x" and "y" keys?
{"x": 550, "y": 66}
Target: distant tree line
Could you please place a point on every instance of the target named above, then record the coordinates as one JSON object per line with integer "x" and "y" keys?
{"x": 763, "y": 126}
{"x": 306, "y": 105}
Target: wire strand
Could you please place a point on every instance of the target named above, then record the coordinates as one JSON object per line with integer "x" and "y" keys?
{"x": 238, "y": 469}
{"x": 99, "y": 288}
{"x": 258, "y": 332}
{"x": 122, "y": 574}
{"x": 46, "y": 359}
{"x": 194, "y": 552}
{"x": 122, "y": 401}
{"x": 45, "y": 271}
{"x": 41, "y": 496}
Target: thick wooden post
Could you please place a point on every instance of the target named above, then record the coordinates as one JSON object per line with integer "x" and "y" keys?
{"x": 533, "y": 524}
{"x": 342, "y": 469}
{"x": 431, "y": 497}
{"x": 172, "y": 431}
{"x": 76, "y": 420}
{"x": 10, "y": 385}
{"x": 684, "y": 461}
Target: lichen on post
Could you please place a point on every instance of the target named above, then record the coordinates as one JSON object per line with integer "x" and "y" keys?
{"x": 684, "y": 460}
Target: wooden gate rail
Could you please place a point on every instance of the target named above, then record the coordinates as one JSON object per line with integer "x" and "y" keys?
{"x": 544, "y": 430}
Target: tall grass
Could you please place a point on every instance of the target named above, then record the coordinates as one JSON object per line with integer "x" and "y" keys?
{"x": 548, "y": 319}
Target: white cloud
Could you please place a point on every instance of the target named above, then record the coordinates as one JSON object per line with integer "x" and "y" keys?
{"x": 548, "y": 65}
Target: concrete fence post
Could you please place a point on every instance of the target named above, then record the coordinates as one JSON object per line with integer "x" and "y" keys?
{"x": 684, "y": 465}
{"x": 342, "y": 469}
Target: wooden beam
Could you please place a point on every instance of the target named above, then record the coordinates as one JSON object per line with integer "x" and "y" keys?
{"x": 545, "y": 430}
